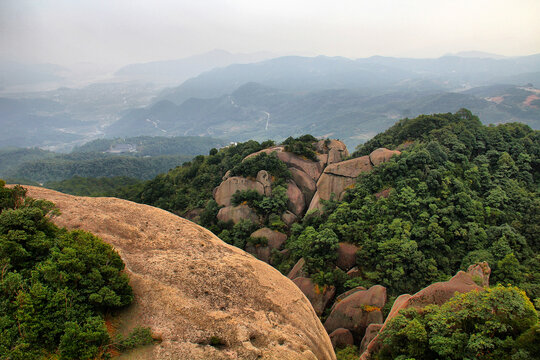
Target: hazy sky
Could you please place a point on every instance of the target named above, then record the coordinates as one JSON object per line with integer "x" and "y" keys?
{"x": 127, "y": 31}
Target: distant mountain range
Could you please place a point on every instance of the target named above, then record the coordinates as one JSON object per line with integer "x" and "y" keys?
{"x": 275, "y": 98}
{"x": 259, "y": 112}
{"x": 174, "y": 72}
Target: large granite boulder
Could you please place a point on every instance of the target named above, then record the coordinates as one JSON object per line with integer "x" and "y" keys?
{"x": 305, "y": 183}
{"x": 311, "y": 168}
{"x": 295, "y": 199}
{"x": 317, "y": 295}
{"x": 357, "y": 311}
{"x": 189, "y": 286}
{"x": 237, "y": 214}
{"x": 224, "y": 192}
{"x": 337, "y": 177}
{"x": 381, "y": 155}
{"x": 336, "y": 150}
{"x": 266, "y": 180}
{"x": 275, "y": 238}
{"x": 371, "y": 331}
{"x": 341, "y": 338}
{"x": 289, "y": 218}
{"x": 297, "y": 270}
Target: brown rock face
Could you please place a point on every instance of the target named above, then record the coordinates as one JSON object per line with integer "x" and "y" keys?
{"x": 264, "y": 178}
{"x": 341, "y": 338}
{"x": 346, "y": 256}
{"x": 305, "y": 183}
{"x": 289, "y": 218}
{"x": 381, "y": 155}
{"x": 357, "y": 311}
{"x": 339, "y": 176}
{"x": 480, "y": 273}
{"x": 340, "y": 297}
{"x": 275, "y": 238}
{"x": 295, "y": 199}
{"x": 237, "y": 213}
{"x": 371, "y": 331}
{"x": 313, "y": 169}
{"x": 227, "y": 188}
{"x": 190, "y": 286}
{"x": 318, "y": 296}
{"x": 437, "y": 293}
{"x": 297, "y": 270}
{"x": 327, "y": 145}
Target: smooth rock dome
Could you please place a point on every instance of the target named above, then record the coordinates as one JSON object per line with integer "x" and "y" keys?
{"x": 190, "y": 286}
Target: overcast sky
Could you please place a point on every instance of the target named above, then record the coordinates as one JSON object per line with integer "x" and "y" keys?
{"x": 127, "y": 31}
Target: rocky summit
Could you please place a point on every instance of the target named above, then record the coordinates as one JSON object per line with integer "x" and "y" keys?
{"x": 203, "y": 298}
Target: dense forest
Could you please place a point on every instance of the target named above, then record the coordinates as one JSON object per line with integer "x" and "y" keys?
{"x": 56, "y": 286}
{"x": 140, "y": 158}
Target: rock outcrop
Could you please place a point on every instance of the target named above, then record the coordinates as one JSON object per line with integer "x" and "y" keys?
{"x": 189, "y": 286}
{"x": 381, "y": 155}
{"x": 356, "y": 311}
{"x": 237, "y": 214}
{"x": 437, "y": 293}
{"x": 337, "y": 177}
{"x": 295, "y": 199}
{"x": 318, "y": 296}
{"x": 275, "y": 238}
{"x": 341, "y": 338}
{"x": 297, "y": 270}
{"x": 224, "y": 192}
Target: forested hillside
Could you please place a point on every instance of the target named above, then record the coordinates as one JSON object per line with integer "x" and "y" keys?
{"x": 458, "y": 194}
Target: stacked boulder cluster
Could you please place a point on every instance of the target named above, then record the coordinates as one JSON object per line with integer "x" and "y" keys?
{"x": 355, "y": 316}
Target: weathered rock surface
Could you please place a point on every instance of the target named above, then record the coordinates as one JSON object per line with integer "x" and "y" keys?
{"x": 341, "y": 338}
{"x": 224, "y": 192}
{"x": 313, "y": 169}
{"x": 190, "y": 286}
{"x": 357, "y": 311}
{"x": 480, "y": 271}
{"x": 381, "y": 155}
{"x": 315, "y": 203}
{"x": 275, "y": 238}
{"x": 337, "y": 177}
{"x": 237, "y": 213}
{"x": 289, "y": 218}
{"x": 318, "y": 296}
{"x": 327, "y": 145}
{"x": 295, "y": 199}
{"x": 297, "y": 270}
{"x": 264, "y": 178}
{"x": 437, "y": 293}
{"x": 345, "y": 294}
{"x": 305, "y": 183}
{"x": 371, "y": 331}
{"x": 346, "y": 256}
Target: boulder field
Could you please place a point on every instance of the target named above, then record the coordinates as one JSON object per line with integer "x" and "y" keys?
{"x": 312, "y": 181}
{"x": 194, "y": 290}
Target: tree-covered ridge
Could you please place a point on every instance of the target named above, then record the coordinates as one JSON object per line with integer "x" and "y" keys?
{"x": 460, "y": 192}
{"x": 155, "y": 145}
{"x": 55, "y": 285}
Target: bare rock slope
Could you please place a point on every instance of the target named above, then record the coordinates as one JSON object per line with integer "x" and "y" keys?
{"x": 190, "y": 286}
